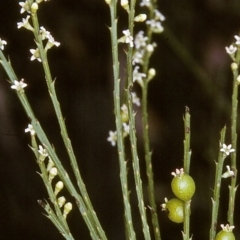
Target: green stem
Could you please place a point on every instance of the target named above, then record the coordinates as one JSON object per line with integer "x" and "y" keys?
{"x": 64, "y": 133}
{"x": 217, "y": 186}
{"x": 133, "y": 140}
{"x": 233, "y": 187}
{"x": 117, "y": 109}
{"x": 45, "y": 142}
{"x": 145, "y": 125}
{"x": 186, "y": 163}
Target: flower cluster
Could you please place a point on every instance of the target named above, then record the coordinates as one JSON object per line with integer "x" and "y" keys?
{"x": 232, "y": 49}
{"x": 112, "y": 138}
{"x": 44, "y": 34}
{"x": 2, "y": 43}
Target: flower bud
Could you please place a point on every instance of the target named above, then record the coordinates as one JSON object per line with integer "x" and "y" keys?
{"x": 234, "y": 66}
{"x": 67, "y": 209}
{"x": 58, "y": 187}
{"x": 50, "y": 164}
{"x": 61, "y": 201}
{"x": 151, "y": 73}
{"x": 140, "y": 18}
{"x": 52, "y": 173}
{"x": 34, "y": 8}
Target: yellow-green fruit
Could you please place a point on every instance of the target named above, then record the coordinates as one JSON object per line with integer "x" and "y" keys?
{"x": 175, "y": 210}
{"x": 183, "y": 186}
{"x": 225, "y": 235}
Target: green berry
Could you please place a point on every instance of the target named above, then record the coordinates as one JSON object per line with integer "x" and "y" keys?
{"x": 226, "y": 233}
{"x": 183, "y": 185}
{"x": 175, "y": 210}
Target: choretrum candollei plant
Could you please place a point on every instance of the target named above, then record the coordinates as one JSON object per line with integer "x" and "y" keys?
{"x": 139, "y": 48}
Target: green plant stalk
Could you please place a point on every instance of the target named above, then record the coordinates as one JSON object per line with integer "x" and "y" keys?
{"x": 132, "y": 132}
{"x": 186, "y": 165}
{"x": 45, "y": 142}
{"x": 148, "y": 153}
{"x": 117, "y": 110}
{"x": 44, "y": 175}
{"x": 233, "y": 187}
{"x": 65, "y": 137}
{"x": 217, "y": 186}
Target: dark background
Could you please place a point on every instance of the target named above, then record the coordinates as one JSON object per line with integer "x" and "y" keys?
{"x": 195, "y": 73}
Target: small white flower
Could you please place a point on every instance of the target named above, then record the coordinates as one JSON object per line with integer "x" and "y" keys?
{"x": 51, "y": 42}
{"x": 112, "y": 138}
{"x": 30, "y": 129}
{"x": 25, "y": 7}
{"x": 146, "y": 3}
{"x": 44, "y": 33}
{"x": 231, "y": 50}
{"x": 35, "y": 54}
{"x": 2, "y": 43}
{"x": 138, "y": 76}
{"x": 19, "y": 85}
{"x": 156, "y": 26}
{"x": 138, "y": 57}
{"x": 227, "y": 149}
{"x": 25, "y": 24}
{"x": 126, "y": 129}
{"x": 42, "y": 151}
{"x": 237, "y": 39}
{"x": 128, "y": 37}
{"x": 135, "y": 99}
{"x": 140, "y": 40}
{"x": 159, "y": 16}
{"x": 228, "y": 173}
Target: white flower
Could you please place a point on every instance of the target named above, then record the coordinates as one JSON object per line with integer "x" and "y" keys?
{"x": 135, "y": 99}
{"x": 159, "y": 16}
{"x": 140, "y": 40}
{"x": 138, "y": 57}
{"x": 227, "y": 149}
{"x": 112, "y": 138}
{"x": 137, "y": 76}
{"x": 231, "y": 50}
{"x": 126, "y": 129}
{"x": 19, "y": 85}
{"x": 2, "y": 43}
{"x": 25, "y": 24}
{"x": 146, "y": 3}
{"x": 237, "y": 40}
{"x": 42, "y": 153}
{"x": 25, "y": 7}
{"x": 228, "y": 173}
{"x": 30, "y": 129}
{"x": 150, "y": 47}
{"x": 128, "y": 37}
{"x": 44, "y": 33}
{"x": 156, "y": 26}
{"x": 51, "y": 42}
{"x": 35, "y": 54}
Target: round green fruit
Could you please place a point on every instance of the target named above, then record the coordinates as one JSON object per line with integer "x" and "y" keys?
{"x": 183, "y": 185}
{"x": 226, "y": 233}
{"x": 175, "y": 210}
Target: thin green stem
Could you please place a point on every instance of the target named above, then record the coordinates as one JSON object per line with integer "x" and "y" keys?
{"x": 186, "y": 163}
{"x": 45, "y": 142}
{"x": 145, "y": 125}
{"x": 233, "y": 187}
{"x": 217, "y": 186}
{"x": 132, "y": 132}
{"x": 117, "y": 109}
{"x": 64, "y": 133}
